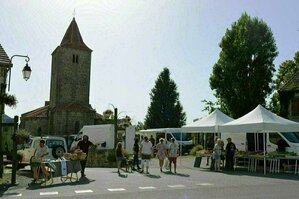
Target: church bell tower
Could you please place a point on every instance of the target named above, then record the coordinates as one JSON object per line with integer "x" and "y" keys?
{"x": 69, "y": 108}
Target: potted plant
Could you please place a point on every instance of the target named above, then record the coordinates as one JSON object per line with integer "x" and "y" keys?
{"x": 22, "y": 135}
{"x": 19, "y": 157}
{"x": 9, "y": 100}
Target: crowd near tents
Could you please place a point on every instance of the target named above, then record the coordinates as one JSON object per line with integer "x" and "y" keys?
{"x": 259, "y": 120}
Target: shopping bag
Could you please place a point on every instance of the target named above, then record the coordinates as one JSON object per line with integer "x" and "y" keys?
{"x": 166, "y": 164}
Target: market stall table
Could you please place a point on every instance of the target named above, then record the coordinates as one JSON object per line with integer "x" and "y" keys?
{"x": 65, "y": 169}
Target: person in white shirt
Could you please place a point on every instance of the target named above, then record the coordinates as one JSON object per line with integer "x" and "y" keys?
{"x": 173, "y": 149}
{"x": 39, "y": 155}
{"x": 146, "y": 150}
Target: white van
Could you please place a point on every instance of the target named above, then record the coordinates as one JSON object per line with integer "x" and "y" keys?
{"x": 181, "y": 138}
{"x": 100, "y": 135}
{"x": 56, "y": 145}
{"x": 288, "y": 141}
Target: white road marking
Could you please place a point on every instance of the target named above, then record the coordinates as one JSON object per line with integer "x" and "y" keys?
{"x": 84, "y": 191}
{"x": 204, "y": 184}
{"x": 13, "y": 194}
{"x": 117, "y": 189}
{"x": 48, "y": 193}
{"x": 150, "y": 187}
{"x": 176, "y": 186}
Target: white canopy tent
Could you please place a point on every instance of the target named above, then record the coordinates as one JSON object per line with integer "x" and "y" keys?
{"x": 208, "y": 124}
{"x": 260, "y": 120}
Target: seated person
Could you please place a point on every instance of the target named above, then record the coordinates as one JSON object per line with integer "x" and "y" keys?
{"x": 281, "y": 145}
{"x": 39, "y": 155}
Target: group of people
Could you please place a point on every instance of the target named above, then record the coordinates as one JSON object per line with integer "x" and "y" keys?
{"x": 145, "y": 149}
{"x": 220, "y": 154}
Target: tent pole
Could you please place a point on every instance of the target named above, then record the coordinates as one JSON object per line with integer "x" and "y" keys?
{"x": 264, "y": 153}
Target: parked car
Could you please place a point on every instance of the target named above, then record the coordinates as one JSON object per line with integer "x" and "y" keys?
{"x": 57, "y": 146}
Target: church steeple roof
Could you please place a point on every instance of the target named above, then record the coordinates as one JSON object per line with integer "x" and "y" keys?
{"x": 72, "y": 38}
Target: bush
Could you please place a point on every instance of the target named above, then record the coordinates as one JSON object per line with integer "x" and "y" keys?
{"x": 111, "y": 156}
{"x": 196, "y": 148}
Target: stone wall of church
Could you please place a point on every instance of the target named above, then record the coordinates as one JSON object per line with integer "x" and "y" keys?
{"x": 70, "y": 122}
{"x": 70, "y": 78}
{"x": 36, "y": 126}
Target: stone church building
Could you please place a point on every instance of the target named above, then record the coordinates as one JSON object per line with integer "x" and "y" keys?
{"x": 68, "y": 109}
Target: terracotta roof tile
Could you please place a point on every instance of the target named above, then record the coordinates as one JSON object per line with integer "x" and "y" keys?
{"x": 41, "y": 112}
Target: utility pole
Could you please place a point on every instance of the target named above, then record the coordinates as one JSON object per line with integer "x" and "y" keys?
{"x": 115, "y": 127}
{"x": 14, "y": 152}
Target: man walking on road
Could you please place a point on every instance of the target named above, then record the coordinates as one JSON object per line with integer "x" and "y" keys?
{"x": 84, "y": 145}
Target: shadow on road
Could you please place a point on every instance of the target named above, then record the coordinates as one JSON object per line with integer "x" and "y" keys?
{"x": 177, "y": 174}
{"x": 152, "y": 176}
{"x": 56, "y": 183}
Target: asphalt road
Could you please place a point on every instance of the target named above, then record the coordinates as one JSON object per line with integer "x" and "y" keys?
{"x": 189, "y": 182}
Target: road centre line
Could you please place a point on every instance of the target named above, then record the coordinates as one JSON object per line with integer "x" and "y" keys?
{"x": 176, "y": 186}
{"x": 117, "y": 189}
{"x": 204, "y": 184}
{"x": 84, "y": 191}
{"x": 150, "y": 187}
{"x": 48, "y": 193}
{"x": 12, "y": 194}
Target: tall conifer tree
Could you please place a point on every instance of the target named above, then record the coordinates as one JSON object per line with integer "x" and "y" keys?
{"x": 165, "y": 110}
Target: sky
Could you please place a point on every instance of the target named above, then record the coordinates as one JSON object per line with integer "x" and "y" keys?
{"x": 132, "y": 41}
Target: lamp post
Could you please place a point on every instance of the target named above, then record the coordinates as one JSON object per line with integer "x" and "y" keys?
{"x": 115, "y": 124}
{"x": 26, "y": 75}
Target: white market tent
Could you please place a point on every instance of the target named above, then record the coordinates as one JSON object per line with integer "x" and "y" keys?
{"x": 260, "y": 120}
{"x": 209, "y": 123}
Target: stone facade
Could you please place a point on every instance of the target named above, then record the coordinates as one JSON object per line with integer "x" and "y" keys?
{"x": 68, "y": 109}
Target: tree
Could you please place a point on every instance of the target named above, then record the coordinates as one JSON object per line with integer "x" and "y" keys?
{"x": 286, "y": 70}
{"x": 165, "y": 110}
{"x": 242, "y": 77}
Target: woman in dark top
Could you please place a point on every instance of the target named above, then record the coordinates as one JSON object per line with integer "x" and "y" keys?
{"x": 119, "y": 154}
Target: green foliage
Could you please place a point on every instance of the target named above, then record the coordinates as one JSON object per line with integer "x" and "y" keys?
{"x": 22, "y": 133}
{"x": 286, "y": 71}
{"x": 165, "y": 110}
{"x": 19, "y": 157}
{"x": 212, "y": 106}
{"x": 139, "y": 126}
{"x": 196, "y": 148}
{"x": 242, "y": 76}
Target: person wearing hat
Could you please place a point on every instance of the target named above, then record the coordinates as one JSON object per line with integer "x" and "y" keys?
{"x": 229, "y": 154}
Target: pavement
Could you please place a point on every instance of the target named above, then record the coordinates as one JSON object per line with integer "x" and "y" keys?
{"x": 189, "y": 182}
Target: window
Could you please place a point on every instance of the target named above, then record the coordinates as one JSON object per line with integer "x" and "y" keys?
{"x": 291, "y": 137}
{"x": 295, "y": 107}
{"x": 77, "y": 126}
{"x": 54, "y": 143}
{"x": 75, "y": 58}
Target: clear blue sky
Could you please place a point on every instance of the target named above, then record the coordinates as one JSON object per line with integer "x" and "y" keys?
{"x": 132, "y": 41}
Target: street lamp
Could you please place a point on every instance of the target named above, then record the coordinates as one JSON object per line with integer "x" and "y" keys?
{"x": 26, "y": 70}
